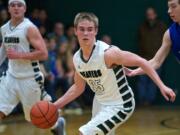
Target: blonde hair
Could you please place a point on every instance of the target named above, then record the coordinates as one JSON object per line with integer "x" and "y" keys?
{"x": 86, "y": 16}
{"x": 178, "y": 1}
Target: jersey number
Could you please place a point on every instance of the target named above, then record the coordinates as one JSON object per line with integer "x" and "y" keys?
{"x": 96, "y": 86}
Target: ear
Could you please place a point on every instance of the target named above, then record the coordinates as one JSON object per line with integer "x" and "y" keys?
{"x": 96, "y": 30}
{"x": 25, "y": 8}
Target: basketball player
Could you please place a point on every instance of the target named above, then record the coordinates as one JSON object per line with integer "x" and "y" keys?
{"x": 23, "y": 45}
{"x": 171, "y": 40}
{"x": 101, "y": 66}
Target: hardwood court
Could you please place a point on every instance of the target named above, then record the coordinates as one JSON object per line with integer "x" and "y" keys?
{"x": 144, "y": 121}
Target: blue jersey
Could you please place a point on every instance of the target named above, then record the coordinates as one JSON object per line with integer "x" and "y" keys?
{"x": 175, "y": 39}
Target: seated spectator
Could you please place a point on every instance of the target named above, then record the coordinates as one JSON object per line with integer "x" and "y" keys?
{"x": 4, "y": 16}
{"x": 65, "y": 68}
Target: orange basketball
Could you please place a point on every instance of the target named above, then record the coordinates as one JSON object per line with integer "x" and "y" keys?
{"x": 44, "y": 114}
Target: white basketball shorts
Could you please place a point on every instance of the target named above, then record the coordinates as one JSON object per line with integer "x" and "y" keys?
{"x": 13, "y": 90}
{"x": 106, "y": 118}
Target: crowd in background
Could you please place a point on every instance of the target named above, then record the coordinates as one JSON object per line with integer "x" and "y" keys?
{"x": 58, "y": 70}
{"x": 62, "y": 43}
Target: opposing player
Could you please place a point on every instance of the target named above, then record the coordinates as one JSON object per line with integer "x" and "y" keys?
{"x": 101, "y": 66}
{"x": 171, "y": 40}
{"x": 23, "y": 45}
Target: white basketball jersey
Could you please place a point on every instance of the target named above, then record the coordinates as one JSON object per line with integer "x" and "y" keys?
{"x": 16, "y": 38}
{"x": 110, "y": 85}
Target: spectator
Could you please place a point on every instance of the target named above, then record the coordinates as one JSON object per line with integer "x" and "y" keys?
{"x": 70, "y": 32}
{"x": 50, "y": 67}
{"x": 65, "y": 68}
{"x": 58, "y": 33}
{"x": 34, "y": 17}
{"x": 44, "y": 20}
{"x": 149, "y": 41}
{"x": 3, "y": 16}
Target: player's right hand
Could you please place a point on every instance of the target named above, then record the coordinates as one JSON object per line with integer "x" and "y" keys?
{"x": 168, "y": 94}
{"x": 12, "y": 53}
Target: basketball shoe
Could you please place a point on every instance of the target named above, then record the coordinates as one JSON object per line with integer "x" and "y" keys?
{"x": 60, "y": 128}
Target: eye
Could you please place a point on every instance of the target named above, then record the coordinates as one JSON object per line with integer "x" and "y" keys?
{"x": 172, "y": 6}
{"x": 12, "y": 5}
{"x": 90, "y": 29}
{"x": 19, "y": 4}
{"x": 81, "y": 29}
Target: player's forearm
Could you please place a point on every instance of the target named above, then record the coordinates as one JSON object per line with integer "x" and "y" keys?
{"x": 154, "y": 64}
{"x": 36, "y": 55}
{"x": 69, "y": 96}
{"x": 160, "y": 56}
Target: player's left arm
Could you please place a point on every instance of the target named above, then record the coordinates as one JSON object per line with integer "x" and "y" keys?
{"x": 35, "y": 39}
{"x": 115, "y": 56}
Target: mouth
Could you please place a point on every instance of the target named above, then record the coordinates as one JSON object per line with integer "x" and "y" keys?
{"x": 85, "y": 39}
{"x": 172, "y": 16}
{"x": 16, "y": 13}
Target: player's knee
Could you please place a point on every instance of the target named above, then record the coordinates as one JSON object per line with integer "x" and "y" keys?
{"x": 2, "y": 115}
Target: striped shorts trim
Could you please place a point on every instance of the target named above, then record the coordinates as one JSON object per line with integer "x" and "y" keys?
{"x": 108, "y": 119}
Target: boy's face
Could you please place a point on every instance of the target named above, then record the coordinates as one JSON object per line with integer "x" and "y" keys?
{"x": 86, "y": 32}
{"x": 17, "y": 9}
{"x": 174, "y": 10}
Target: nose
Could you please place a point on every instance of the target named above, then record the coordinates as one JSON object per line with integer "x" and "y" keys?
{"x": 85, "y": 32}
{"x": 169, "y": 10}
{"x": 16, "y": 7}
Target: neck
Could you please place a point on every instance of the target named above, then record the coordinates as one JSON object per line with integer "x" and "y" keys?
{"x": 87, "y": 50}
{"x": 15, "y": 22}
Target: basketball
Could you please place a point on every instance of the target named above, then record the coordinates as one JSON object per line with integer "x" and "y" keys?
{"x": 44, "y": 114}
